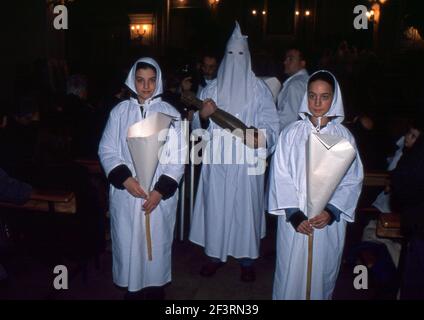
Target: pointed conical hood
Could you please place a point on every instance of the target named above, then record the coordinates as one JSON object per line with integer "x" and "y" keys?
{"x": 235, "y": 79}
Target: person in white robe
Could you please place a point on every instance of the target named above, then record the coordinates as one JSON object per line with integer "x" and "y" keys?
{"x": 383, "y": 200}
{"x": 321, "y": 109}
{"x": 228, "y": 217}
{"x": 128, "y": 201}
{"x": 293, "y": 88}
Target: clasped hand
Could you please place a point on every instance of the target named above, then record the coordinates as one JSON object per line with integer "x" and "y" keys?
{"x": 317, "y": 222}
{"x": 134, "y": 188}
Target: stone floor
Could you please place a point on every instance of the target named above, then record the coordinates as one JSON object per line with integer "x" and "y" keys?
{"x": 31, "y": 276}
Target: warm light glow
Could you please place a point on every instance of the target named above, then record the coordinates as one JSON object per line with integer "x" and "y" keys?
{"x": 297, "y": 13}
{"x": 254, "y": 12}
{"x": 142, "y": 29}
{"x": 370, "y": 14}
{"x": 412, "y": 34}
{"x": 307, "y": 13}
{"x": 375, "y": 12}
{"x": 264, "y": 12}
{"x": 382, "y": 1}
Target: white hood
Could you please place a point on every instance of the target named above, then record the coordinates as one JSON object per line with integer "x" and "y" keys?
{"x": 130, "y": 82}
{"x": 336, "y": 109}
{"x": 235, "y": 80}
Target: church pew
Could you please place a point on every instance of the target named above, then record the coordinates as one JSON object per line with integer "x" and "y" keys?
{"x": 47, "y": 201}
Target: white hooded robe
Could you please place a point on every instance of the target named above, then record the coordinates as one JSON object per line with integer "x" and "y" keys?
{"x": 287, "y": 189}
{"x": 131, "y": 267}
{"x": 228, "y": 217}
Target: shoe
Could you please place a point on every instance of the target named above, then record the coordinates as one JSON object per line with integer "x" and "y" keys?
{"x": 137, "y": 295}
{"x": 209, "y": 269}
{"x": 247, "y": 274}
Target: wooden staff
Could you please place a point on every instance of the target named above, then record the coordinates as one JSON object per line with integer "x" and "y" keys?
{"x": 252, "y": 138}
{"x": 148, "y": 235}
{"x": 309, "y": 272}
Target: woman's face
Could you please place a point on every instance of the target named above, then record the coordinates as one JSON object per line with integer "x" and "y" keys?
{"x": 145, "y": 83}
{"x": 410, "y": 137}
{"x": 320, "y": 97}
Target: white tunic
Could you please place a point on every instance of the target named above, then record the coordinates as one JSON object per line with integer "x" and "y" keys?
{"x": 200, "y": 88}
{"x": 287, "y": 189}
{"x": 290, "y": 98}
{"x": 131, "y": 267}
{"x": 382, "y": 202}
{"x": 228, "y": 217}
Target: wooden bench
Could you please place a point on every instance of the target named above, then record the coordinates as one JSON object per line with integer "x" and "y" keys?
{"x": 375, "y": 179}
{"x": 47, "y": 201}
{"x": 388, "y": 226}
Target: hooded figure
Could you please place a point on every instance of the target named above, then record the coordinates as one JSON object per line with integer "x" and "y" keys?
{"x": 235, "y": 75}
{"x": 228, "y": 217}
{"x": 287, "y": 199}
{"x": 131, "y": 267}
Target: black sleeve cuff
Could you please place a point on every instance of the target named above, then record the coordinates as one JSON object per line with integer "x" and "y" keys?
{"x": 332, "y": 215}
{"x": 297, "y": 218}
{"x": 118, "y": 176}
{"x": 166, "y": 186}
{"x": 204, "y": 123}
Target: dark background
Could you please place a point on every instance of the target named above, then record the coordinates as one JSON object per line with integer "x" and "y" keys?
{"x": 98, "y": 41}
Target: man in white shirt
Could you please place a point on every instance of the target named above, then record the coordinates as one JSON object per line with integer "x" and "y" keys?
{"x": 209, "y": 68}
{"x": 293, "y": 89}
